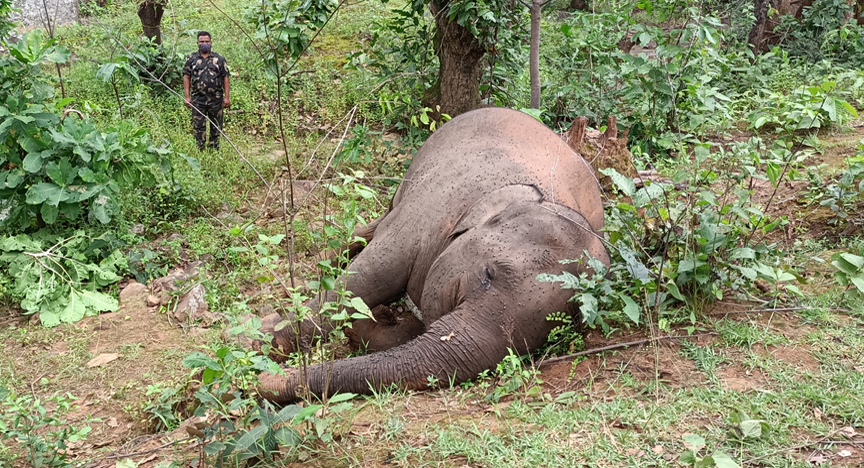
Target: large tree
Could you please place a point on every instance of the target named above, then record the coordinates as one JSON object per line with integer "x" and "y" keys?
{"x": 466, "y": 30}
{"x": 150, "y": 12}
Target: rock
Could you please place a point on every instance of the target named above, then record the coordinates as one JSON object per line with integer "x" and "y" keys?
{"x": 263, "y": 310}
{"x": 193, "y": 308}
{"x": 131, "y": 291}
{"x": 137, "y": 229}
{"x": 175, "y": 280}
{"x": 153, "y": 300}
{"x": 176, "y": 237}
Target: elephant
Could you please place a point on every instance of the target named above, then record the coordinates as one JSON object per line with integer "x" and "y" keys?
{"x": 491, "y": 200}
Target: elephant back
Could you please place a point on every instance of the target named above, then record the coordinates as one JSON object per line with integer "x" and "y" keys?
{"x": 481, "y": 151}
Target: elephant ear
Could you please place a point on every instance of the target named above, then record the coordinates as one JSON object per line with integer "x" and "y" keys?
{"x": 584, "y": 238}
{"x": 494, "y": 203}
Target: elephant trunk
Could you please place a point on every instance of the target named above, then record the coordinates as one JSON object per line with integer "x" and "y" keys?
{"x": 452, "y": 351}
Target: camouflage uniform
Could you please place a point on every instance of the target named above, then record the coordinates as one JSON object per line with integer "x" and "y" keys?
{"x": 206, "y": 90}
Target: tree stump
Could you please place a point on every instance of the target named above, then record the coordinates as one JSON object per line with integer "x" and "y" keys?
{"x": 602, "y": 150}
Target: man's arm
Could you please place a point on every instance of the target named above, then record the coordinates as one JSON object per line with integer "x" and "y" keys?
{"x": 186, "y": 86}
{"x": 226, "y": 101}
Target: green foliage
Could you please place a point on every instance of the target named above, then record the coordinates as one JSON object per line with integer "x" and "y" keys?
{"x": 38, "y": 425}
{"x": 55, "y": 167}
{"x": 842, "y": 194}
{"x": 850, "y": 270}
{"x": 247, "y": 428}
{"x": 808, "y": 107}
{"x": 59, "y": 278}
{"x": 514, "y": 376}
{"x": 807, "y": 37}
{"x": 6, "y": 26}
{"x": 162, "y": 407}
{"x": 599, "y": 302}
{"x": 692, "y": 458}
{"x": 284, "y": 26}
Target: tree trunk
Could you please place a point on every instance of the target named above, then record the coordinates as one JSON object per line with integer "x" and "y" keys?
{"x": 762, "y": 35}
{"x": 459, "y": 53}
{"x": 534, "y": 61}
{"x": 150, "y": 12}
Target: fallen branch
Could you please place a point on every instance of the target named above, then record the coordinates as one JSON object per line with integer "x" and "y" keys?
{"x": 622, "y": 345}
{"x": 143, "y": 452}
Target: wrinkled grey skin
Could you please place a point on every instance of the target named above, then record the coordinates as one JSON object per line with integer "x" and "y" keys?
{"x": 491, "y": 200}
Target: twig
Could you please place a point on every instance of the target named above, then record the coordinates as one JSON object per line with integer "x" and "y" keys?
{"x": 144, "y": 452}
{"x": 789, "y": 449}
{"x": 623, "y": 345}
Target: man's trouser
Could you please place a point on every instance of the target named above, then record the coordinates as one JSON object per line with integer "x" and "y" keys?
{"x": 202, "y": 110}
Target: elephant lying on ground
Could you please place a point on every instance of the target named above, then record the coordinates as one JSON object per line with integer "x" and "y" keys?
{"x": 490, "y": 201}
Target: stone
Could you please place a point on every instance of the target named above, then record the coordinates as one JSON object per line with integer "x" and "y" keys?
{"x": 153, "y": 300}
{"x": 137, "y": 229}
{"x": 193, "y": 308}
{"x": 131, "y": 291}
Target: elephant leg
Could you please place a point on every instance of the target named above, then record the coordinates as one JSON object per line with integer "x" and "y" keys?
{"x": 388, "y": 330}
{"x": 378, "y": 275}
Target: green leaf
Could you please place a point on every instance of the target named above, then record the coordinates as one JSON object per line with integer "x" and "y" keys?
{"x": 70, "y": 210}
{"x": 197, "y": 359}
{"x": 624, "y": 183}
{"x": 214, "y": 447}
{"x": 250, "y": 438}
{"x": 674, "y": 291}
{"x": 99, "y": 302}
{"x": 49, "y": 213}
{"x": 849, "y": 108}
{"x": 853, "y": 259}
{"x": 536, "y": 113}
{"x": 287, "y": 437}
{"x": 631, "y": 309}
{"x": 830, "y": 107}
{"x": 74, "y": 310}
{"x": 360, "y": 306}
{"x": 60, "y": 54}
{"x": 287, "y": 413}
{"x": 44, "y": 192}
{"x": 751, "y": 428}
{"x": 695, "y": 440}
{"x": 721, "y": 460}
{"x": 328, "y": 283}
{"x": 588, "y": 307}
{"x": 126, "y": 463}
{"x": 858, "y": 282}
{"x": 305, "y": 414}
{"x": 33, "y": 162}
{"x": 636, "y": 268}
{"x": 106, "y": 71}
{"x": 340, "y": 397}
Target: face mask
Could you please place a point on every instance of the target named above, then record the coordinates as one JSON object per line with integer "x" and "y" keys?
{"x": 204, "y": 48}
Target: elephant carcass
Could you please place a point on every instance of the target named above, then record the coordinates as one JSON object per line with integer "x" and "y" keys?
{"x": 491, "y": 200}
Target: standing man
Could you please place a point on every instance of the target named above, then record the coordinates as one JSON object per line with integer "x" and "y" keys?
{"x": 205, "y": 84}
